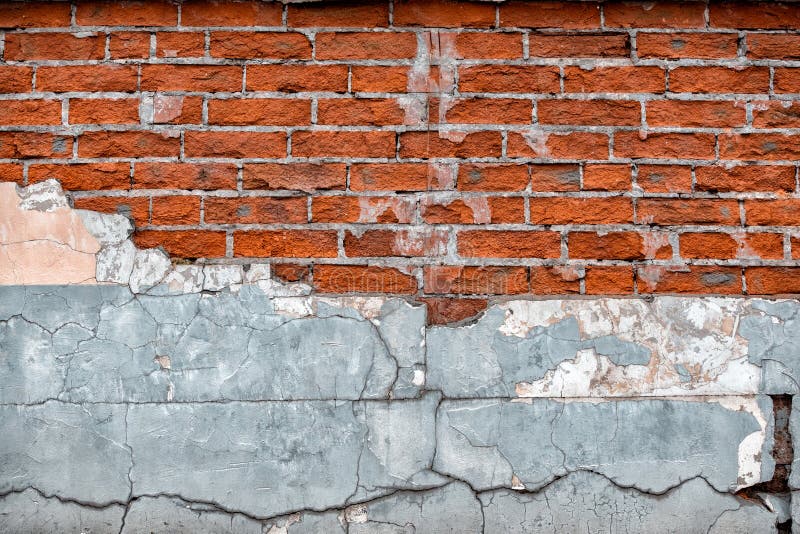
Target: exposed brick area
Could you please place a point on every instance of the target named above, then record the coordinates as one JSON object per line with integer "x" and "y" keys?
{"x": 435, "y": 148}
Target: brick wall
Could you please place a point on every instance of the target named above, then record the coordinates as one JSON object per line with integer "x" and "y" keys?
{"x": 443, "y": 149}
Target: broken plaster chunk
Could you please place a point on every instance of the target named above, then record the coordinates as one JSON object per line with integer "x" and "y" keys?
{"x": 149, "y": 269}
{"x": 115, "y": 263}
{"x": 181, "y": 280}
{"x": 256, "y": 272}
{"x": 43, "y": 196}
{"x": 218, "y": 277}
{"x": 108, "y": 228}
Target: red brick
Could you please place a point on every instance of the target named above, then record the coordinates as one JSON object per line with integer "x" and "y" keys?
{"x": 104, "y": 111}
{"x": 773, "y": 46}
{"x": 172, "y": 109}
{"x": 687, "y": 45}
{"x": 294, "y": 176}
{"x": 130, "y": 144}
{"x": 175, "y": 210}
{"x": 664, "y": 145}
{"x": 426, "y": 242}
{"x": 16, "y": 79}
{"x": 664, "y": 178}
{"x": 285, "y": 243}
{"x": 126, "y": 13}
{"x": 352, "y": 209}
{"x": 360, "y": 111}
{"x": 686, "y": 114}
{"x": 557, "y": 280}
{"x": 489, "y": 177}
{"x": 712, "y": 245}
{"x": 251, "y": 45}
{"x": 509, "y": 244}
{"x": 555, "y": 177}
{"x": 473, "y": 210}
{"x": 255, "y": 111}
{"x": 191, "y": 78}
{"x": 695, "y": 279}
{"x": 10, "y": 172}
{"x": 508, "y": 79}
{"x": 471, "y": 45}
{"x": 291, "y": 272}
{"x": 84, "y": 176}
{"x": 450, "y": 144}
{"x": 660, "y": 14}
{"x": 34, "y": 145}
{"x": 607, "y": 246}
{"x": 184, "y": 243}
{"x": 779, "y": 212}
{"x": 235, "y": 144}
{"x": 34, "y": 14}
{"x": 614, "y": 80}
{"x": 579, "y": 45}
{"x": 366, "y": 45}
{"x": 297, "y": 78}
{"x": 380, "y": 79}
{"x": 129, "y": 45}
{"x": 680, "y": 212}
{"x": 30, "y": 112}
{"x": 338, "y": 15}
{"x": 391, "y": 177}
{"x": 787, "y": 80}
{"x": 122, "y": 78}
{"x": 362, "y": 279}
{"x": 758, "y": 146}
{"x": 776, "y": 114}
{"x": 590, "y": 112}
{"x": 443, "y": 13}
{"x": 28, "y": 46}
{"x": 452, "y": 310}
{"x": 754, "y": 15}
{"x": 546, "y": 14}
{"x": 203, "y": 13}
{"x": 588, "y": 210}
{"x": 610, "y": 177}
{"x": 136, "y": 208}
{"x": 205, "y": 176}
{"x": 719, "y": 80}
{"x": 343, "y": 144}
{"x": 255, "y": 210}
{"x": 180, "y": 44}
{"x": 608, "y": 280}
{"x": 574, "y": 145}
{"x": 485, "y": 111}
{"x": 471, "y": 280}
{"x": 772, "y": 280}
{"x": 745, "y": 178}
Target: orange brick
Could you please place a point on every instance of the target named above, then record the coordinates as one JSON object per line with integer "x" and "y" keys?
{"x": 442, "y": 310}
{"x": 579, "y": 45}
{"x": 84, "y": 176}
{"x": 235, "y": 144}
{"x": 360, "y": 111}
{"x": 776, "y": 114}
{"x": 205, "y": 78}
{"x": 680, "y": 212}
{"x": 251, "y": 45}
{"x": 380, "y": 79}
{"x": 294, "y": 176}
{"x": 745, "y": 178}
{"x": 589, "y": 210}
{"x": 508, "y": 79}
{"x": 297, "y": 78}
{"x": 755, "y": 15}
{"x": 558, "y": 280}
{"x": 779, "y": 212}
{"x": 175, "y": 210}
{"x": 607, "y": 246}
{"x": 509, "y": 244}
{"x": 714, "y": 245}
{"x": 489, "y": 45}
{"x": 555, "y": 177}
{"x": 772, "y": 280}
{"x": 173, "y": 109}
{"x": 28, "y": 46}
{"x": 353, "y": 15}
{"x": 184, "y": 243}
{"x": 426, "y": 242}
{"x": 664, "y": 178}
{"x": 391, "y": 177}
{"x": 343, "y": 144}
{"x": 129, "y": 45}
{"x": 686, "y": 114}
{"x": 550, "y": 14}
{"x": 254, "y": 111}
{"x": 136, "y": 208}
{"x": 787, "y": 80}
{"x": 450, "y": 144}
{"x": 687, "y": 45}
{"x": 471, "y": 280}
{"x": 10, "y": 172}
{"x": 758, "y": 146}
{"x": 87, "y": 78}
{"x": 291, "y": 272}
{"x": 30, "y": 112}
{"x": 695, "y": 279}
{"x": 362, "y": 279}
{"x": 285, "y": 243}
{"x": 719, "y": 80}
{"x": 206, "y": 176}
{"x": 488, "y": 177}
{"x": 486, "y": 111}
{"x": 180, "y": 44}
{"x": 203, "y": 13}
{"x": 110, "y": 13}
{"x": 34, "y": 14}
{"x": 474, "y": 210}
{"x": 351, "y": 209}
{"x": 574, "y": 145}
{"x": 104, "y": 111}
{"x": 443, "y": 13}
{"x": 608, "y": 280}
{"x": 661, "y": 14}
{"x": 366, "y": 45}
{"x": 664, "y": 145}
{"x": 15, "y": 79}
{"x": 130, "y": 144}
{"x": 590, "y": 112}
{"x": 614, "y": 80}
{"x": 601, "y": 177}
{"x": 254, "y": 210}
{"x": 773, "y": 46}
{"x": 34, "y": 145}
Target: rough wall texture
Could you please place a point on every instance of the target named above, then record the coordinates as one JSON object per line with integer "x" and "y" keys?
{"x": 254, "y": 309}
